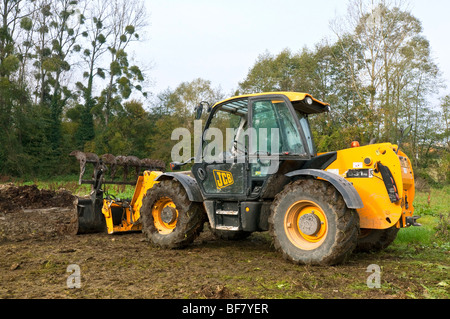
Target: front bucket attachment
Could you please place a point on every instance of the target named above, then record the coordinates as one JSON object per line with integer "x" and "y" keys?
{"x": 90, "y": 216}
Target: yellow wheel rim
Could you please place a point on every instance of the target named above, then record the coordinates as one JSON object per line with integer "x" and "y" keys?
{"x": 165, "y": 215}
{"x": 306, "y": 225}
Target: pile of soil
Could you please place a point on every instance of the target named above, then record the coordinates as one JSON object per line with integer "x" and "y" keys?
{"x": 16, "y": 198}
{"x": 27, "y": 212}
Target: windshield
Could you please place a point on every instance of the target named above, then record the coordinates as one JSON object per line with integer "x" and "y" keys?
{"x": 273, "y": 130}
{"x": 276, "y": 127}
{"x": 303, "y": 119}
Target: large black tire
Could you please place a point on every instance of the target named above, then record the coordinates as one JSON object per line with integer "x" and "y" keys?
{"x": 374, "y": 240}
{"x": 337, "y": 227}
{"x": 187, "y": 221}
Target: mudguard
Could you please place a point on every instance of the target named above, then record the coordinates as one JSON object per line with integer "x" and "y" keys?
{"x": 189, "y": 184}
{"x": 344, "y": 187}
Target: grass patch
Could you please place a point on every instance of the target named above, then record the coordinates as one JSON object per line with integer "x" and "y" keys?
{"x": 434, "y": 209}
{"x": 423, "y": 235}
{"x": 433, "y": 203}
{"x": 70, "y": 183}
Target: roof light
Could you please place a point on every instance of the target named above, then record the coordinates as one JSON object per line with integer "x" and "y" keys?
{"x": 309, "y": 100}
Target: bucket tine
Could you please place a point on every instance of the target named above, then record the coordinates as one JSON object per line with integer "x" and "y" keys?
{"x": 93, "y": 158}
{"x": 136, "y": 162}
{"x": 122, "y": 161}
{"x": 85, "y": 158}
{"x": 81, "y": 157}
{"x": 146, "y": 163}
{"x": 150, "y": 164}
{"x": 109, "y": 159}
{"x": 161, "y": 165}
{"x": 90, "y": 215}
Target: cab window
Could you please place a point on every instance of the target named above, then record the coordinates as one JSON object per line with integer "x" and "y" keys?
{"x": 281, "y": 132}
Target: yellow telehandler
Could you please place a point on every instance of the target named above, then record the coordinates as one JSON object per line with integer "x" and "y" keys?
{"x": 268, "y": 176}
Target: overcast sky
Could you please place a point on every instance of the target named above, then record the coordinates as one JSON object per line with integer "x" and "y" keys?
{"x": 219, "y": 40}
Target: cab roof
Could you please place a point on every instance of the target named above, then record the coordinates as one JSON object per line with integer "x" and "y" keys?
{"x": 297, "y": 99}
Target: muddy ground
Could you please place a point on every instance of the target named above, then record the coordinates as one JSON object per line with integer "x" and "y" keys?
{"x": 44, "y": 265}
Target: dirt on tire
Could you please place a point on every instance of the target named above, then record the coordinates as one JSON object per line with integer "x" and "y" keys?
{"x": 343, "y": 224}
{"x": 190, "y": 219}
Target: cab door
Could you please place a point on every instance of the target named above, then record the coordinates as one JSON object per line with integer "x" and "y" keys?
{"x": 276, "y": 136}
{"x": 223, "y": 170}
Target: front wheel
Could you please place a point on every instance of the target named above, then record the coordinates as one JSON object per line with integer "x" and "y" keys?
{"x": 311, "y": 224}
{"x": 169, "y": 219}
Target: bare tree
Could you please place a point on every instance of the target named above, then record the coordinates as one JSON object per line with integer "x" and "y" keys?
{"x": 382, "y": 32}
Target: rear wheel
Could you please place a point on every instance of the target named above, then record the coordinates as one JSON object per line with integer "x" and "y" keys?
{"x": 373, "y": 240}
{"x": 169, "y": 218}
{"x": 311, "y": 224}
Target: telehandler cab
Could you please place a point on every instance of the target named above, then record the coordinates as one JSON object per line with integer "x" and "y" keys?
{"x": 318, "y": 208}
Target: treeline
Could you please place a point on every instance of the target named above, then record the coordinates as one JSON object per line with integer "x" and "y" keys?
{"x": 67, "y": 82}
{"x": 65, "y": 78}
{"x": 379, "y": 77}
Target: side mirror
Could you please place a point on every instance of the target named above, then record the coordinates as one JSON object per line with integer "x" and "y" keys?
{"x": 198, "y": 111}
{"x": 175, "y": 166}
{"x": 405, "y": 132}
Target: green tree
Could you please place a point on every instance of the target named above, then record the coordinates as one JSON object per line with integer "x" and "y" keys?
{"x": 16, "y": 116}
{"x": 96, "y": 33}
{"x": 389, "y": 47}
{"x": 128, "y": 18}
{"x": 127, "y": 133}
{"x": 175, "y": 109}
{"x": 272, "y": 73}
{"x": 445, "y": 105}
{"x": 58, "y": 26}
{"x": 110, "y": 28}
{"x": 446, "y": 138}
{"x": 12, "y": 12}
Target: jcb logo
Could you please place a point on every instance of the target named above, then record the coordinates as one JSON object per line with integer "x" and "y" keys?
{"x": 223, "y": 179}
